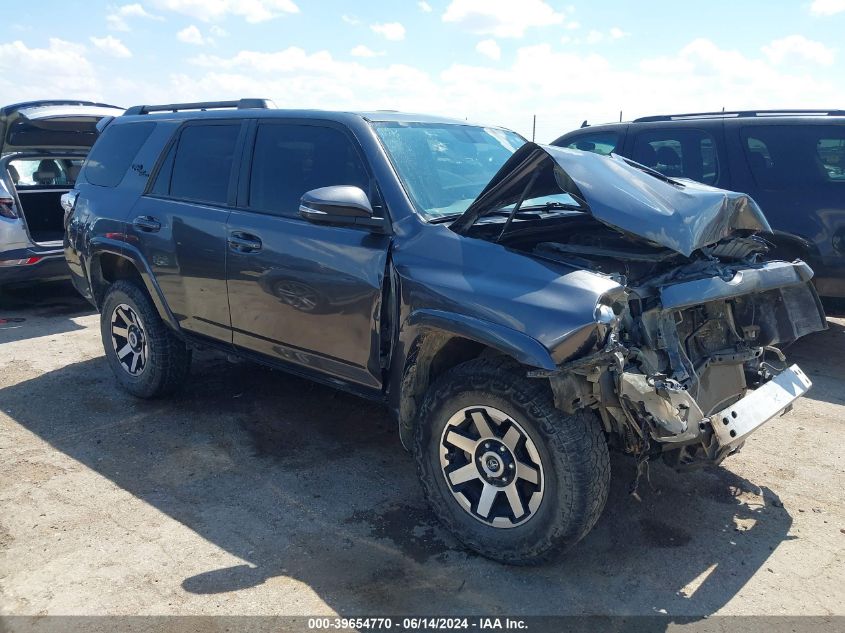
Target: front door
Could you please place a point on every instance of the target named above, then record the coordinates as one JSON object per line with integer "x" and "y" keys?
{"x": 301, "y": 293}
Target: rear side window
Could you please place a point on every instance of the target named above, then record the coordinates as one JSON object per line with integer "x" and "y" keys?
{"x": 600, "y": 142}
{"x": 679, "y": 153}
{"x": 113, "y": 153}
{"x": 289, "y": 160}
{"x": 795, "y": 156}
{"x": 201, "y": 164}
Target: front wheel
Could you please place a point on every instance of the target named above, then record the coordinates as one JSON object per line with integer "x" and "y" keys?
{"x": 513, "y": 477}
{"x": 146, "y": 358}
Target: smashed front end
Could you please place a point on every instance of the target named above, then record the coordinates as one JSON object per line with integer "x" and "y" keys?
{"x": 687, "y": 359}
{"x": 690, "y": 362}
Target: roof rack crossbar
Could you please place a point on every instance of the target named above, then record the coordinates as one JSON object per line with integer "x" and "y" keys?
{"x": 241, "y": 104}
{"x": 739, "y": 114}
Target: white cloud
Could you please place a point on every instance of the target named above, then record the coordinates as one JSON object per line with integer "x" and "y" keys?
{"x": 798, "y": 46}
{"x": 424, "y": 6}
{"x": 697, "y": 77}
{"x": 191, "y": 35}
{"x": 117, "y": 20}
{"x": 111, "y": 46}
{"x": 501, "y": 18}
{"x": 350, "y": 19}
{"x": 596, "y": 37}
{"x": 489, "y": 48}
{"x": 390, "y": 30}
{"x": 252, "y": 11}
{"x": 572, "y": 26}
{"x": 218, "y": 31}
{"x": 63, "y": 66}
{"x": 365, "y": 51}
{"x": 296, "y": 78}
{"x": 827, "y": 7}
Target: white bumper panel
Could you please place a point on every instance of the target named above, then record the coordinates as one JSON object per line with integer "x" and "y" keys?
{"x": 735, "y": 423}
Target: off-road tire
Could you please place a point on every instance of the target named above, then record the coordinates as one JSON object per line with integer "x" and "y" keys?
{"x": 573, "y": 451}
{"x": 168, "y": 358}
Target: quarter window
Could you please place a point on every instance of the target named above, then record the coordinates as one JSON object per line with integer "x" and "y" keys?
{"x": 679, "y": 154}
{"x": 289, "y": 160}
{"x": 202, "y": 164}
{"x": 113, "y": 152}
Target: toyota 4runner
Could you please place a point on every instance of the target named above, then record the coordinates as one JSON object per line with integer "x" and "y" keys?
{"x": 520, "y": 309}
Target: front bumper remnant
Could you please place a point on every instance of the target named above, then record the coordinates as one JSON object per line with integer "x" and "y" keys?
{"x": 733, "y": 424}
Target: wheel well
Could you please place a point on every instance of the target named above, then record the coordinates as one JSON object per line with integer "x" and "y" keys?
{"x": 432, "y": 355}
{"x": 108, "y": 268}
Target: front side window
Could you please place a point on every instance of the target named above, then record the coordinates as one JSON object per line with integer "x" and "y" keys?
{"x": 795, "y": 156}
{"x": 443, "y": 166}
{"x": 202, "y": 164}
{"x": 600, "y": 142}
{"x": 679, "y": 153}
{"x": 289, "y": 160}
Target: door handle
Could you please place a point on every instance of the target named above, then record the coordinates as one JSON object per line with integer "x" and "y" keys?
{"x": 244, "y": 242}
{"x": 146, "y": 223}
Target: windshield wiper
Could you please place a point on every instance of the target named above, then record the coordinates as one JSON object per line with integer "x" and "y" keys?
{"x": 445, "y": 218}
{"x": 517, "y": 206}
{"x": 554, "y": 206}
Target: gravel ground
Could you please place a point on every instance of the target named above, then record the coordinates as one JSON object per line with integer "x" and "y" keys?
{"x": 252, "y": 492}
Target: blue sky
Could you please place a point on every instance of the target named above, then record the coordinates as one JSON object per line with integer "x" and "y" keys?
{"x": 492, "y": 61}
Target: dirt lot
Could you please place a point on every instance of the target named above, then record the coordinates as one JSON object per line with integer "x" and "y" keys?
{"x": 256, "y": 493}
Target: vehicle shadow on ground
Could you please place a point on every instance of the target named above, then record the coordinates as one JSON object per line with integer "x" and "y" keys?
{"x": 305, "y": 482}
{"x": 40, "y": 310}
{"x": 828, "y": 345}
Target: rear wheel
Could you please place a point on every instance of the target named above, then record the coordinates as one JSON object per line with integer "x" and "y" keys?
{"x": 147, "y": 359}
{"x": 514, "y": 478}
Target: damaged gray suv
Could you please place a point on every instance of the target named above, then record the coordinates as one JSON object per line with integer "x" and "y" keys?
{"x": 519, "y": 309}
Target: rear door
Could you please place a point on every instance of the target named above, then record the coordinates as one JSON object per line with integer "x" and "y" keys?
{"x": 301, "y": 293}
{"x": 180, "y": 223}
{"x": 796, "y": 173}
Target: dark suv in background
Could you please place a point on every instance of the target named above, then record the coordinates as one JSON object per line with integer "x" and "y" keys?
{"x": 519, "y": 309}
{"x": 792, "y": 162}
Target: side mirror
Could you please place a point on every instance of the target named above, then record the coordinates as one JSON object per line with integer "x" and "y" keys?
{"x": 342, "y": 205}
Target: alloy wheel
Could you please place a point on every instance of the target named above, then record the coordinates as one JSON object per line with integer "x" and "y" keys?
{"x": 491, "y": 466}
{"x": 129, "y": 339}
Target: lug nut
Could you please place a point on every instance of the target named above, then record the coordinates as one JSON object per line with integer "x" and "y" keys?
{"x": 486, "y": 444}
{"x": 501, "y": 449}
{"x": 510, "y": 466}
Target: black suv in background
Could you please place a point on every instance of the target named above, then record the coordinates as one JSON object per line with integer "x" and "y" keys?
{"x": 792, "y": 162}
{"x": 519, "y": 309}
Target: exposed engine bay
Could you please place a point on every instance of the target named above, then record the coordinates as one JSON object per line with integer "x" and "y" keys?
{"x": 685, "y": 360}
{"x": 683, "y": 340}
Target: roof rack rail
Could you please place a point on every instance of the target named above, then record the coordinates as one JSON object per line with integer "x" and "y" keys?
{"x": 739, "y": 114}
{"x": 241, "y": 104}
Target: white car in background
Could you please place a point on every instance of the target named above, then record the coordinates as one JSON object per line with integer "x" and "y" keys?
{"x": 42, "y": 147}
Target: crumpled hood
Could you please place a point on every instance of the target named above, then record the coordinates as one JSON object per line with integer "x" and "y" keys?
{"x": 679, "y": 214}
